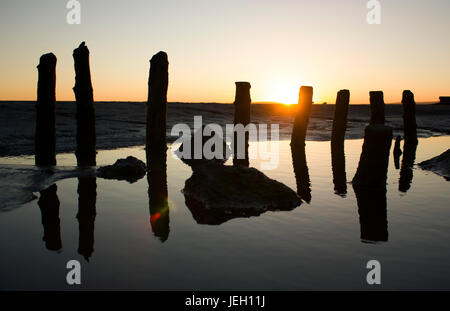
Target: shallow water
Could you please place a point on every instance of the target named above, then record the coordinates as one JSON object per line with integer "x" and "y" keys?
{"x": 315, "y": 246}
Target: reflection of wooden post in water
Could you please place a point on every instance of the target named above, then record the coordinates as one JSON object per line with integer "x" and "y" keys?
{"x": 45, "y": 137}
{"x": 372, "y": 210}
{"x": 242, "y": 104}
{"x": 411, "y": 142}
{"x": 87, "y": 197}
{"x": 302, "y": 117}
{"x": 157, "y": 110}
{"x": 85, "y": 151}
{"x": 49, "y": 206}
{"x": 337, "y": 142}
{"x": 397, "y": 152}
{"x": 376, "y": 107}
{"x": 158, "y": 201}
{"x": 301, "y": 173}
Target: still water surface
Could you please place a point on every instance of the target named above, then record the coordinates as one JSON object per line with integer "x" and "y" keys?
{"x": 317, "y": 246}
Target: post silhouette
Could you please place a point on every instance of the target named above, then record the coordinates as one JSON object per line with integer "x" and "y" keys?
{"x": 45, "y": 136}
{"x": 49, "y": 206}
{"x": 376, "y": 107}
{"x": 340, "y": 118}
{"x": 242, "y": 111}
{"x": 86, "y": 139}
{"x": 409, "y": 117}
{"x": 157, "y": 110}
{"x": 337, "y": 142}
{"x": 302, "y": 117}
{"x": 87, "y": 197}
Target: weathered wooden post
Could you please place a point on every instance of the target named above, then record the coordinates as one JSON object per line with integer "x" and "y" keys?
{"x": 49, "y": 206}
{"x": 157, "y": 112}
{"x": 302, "y": 117}
{"x": 87, "y": 197}
{"x": 45, "y": 136}
{"x": 337, "y": 142}
{"x": 376, "y": 107}
{"x": 242, "y": 104}
{"x": 340, "y": 118}
{"x": 409, "y": 117}
{"x": 86, "y": 138}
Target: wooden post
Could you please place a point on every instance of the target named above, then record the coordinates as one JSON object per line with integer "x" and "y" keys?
{"x": 242, "y": 111}
{"x": 86, "y": 149}
{"x": 340, "y": 118}
{"x": 49, "y": 206}
{"x": 302, "y": 117}
{"x": 45, "y": 136}
{"x": 376, "y": 107}
{"x": 87, "y": 197}
{"x": 409, "y": 117}
{"x": 157, "y": 111}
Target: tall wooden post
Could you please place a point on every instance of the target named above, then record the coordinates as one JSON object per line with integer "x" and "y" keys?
{"x": 45, "y": 136}
{"x": 157, "y": 111}
{"x": 242, "y": 111}
{"x": 86, "y": 138}
{"x": 302, "y": 117}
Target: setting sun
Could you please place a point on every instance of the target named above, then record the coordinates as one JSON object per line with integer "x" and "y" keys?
{"x": 285, "y": 93}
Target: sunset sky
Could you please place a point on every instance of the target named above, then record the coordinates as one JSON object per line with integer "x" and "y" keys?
{"x": 275, "y": 45}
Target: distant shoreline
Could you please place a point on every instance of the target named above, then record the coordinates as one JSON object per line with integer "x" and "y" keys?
{"x": 199, "y": 103}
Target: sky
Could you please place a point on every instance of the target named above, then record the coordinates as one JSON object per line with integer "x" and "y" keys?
{"x": 275, "y": 45}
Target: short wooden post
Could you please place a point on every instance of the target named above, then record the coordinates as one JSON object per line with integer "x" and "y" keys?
{"x": 45, "y": 136}
{"x": 86, "y": 139}
{"x": 409, "y": 117}
{"x": 376, "y": 107}
{"x": 340, "y": 118}
{"x": 374, "y": 160}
